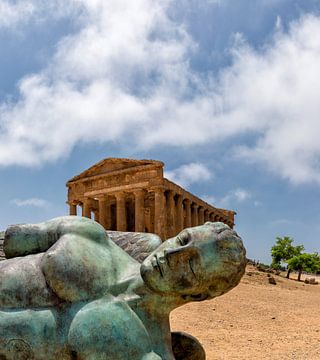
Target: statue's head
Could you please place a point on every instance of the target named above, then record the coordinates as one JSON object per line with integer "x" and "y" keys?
{"x": 199, "y": 263}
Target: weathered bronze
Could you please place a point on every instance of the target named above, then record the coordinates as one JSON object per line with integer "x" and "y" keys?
{"x": 67, "y": 291}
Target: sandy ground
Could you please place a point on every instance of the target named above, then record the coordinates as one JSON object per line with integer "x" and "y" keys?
{"x": 257, "y": 320}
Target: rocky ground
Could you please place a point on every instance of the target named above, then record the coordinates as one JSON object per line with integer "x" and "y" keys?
{"x": 257, "y": 320}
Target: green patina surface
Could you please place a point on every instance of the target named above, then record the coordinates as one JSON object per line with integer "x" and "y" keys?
{"x": 67, "y": 291}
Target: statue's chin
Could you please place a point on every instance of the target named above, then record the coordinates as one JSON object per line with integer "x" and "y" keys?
{"x": 153, "y": 281}
{"x": 146, "y": 273}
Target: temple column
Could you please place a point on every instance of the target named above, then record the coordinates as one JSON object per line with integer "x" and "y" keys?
{"x": 187, "y": 205}
{"x": 96, "y": 215}
{"x": 201, "y": 215}
{"x": 121, "y": 212}
{"x": 139, "y": 222}
{"x": 194, "y": 214}
{"x": 103, "y": 212}
{"x": 72, "y": 209}
{"x": 206, "y": 215}
{"x": 212, "y": 217}
{"x": 159, "y": 213}
{"x": 179, "y": 214}
{"x": 108, "y": 213}
{"x": 170, "y": 214}
{"x": 86, "y": 212}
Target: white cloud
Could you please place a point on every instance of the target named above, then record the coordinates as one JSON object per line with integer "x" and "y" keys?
{"x": 126, "y": 73}
{"x": 235, "y": 196}
{"x": 14, "y": 14}
{"x": 209, "y": 199}
{"x": 188, "y": 174}
{"x": 33, "y": 202}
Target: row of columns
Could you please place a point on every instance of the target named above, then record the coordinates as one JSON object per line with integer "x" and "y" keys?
{"x": 172, "y": 212}
{"x": 183, "y": 212}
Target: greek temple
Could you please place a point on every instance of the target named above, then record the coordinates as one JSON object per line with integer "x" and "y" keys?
{"x": 134, "y": 195}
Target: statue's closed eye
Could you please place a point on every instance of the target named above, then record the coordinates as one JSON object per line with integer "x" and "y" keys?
{"x": 184, "y": 238}
{"x": 196, "y": 297}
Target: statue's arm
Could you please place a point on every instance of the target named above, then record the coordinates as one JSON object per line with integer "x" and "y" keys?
{"x": 25, "y": 239}
{"x": 74, "y": 252}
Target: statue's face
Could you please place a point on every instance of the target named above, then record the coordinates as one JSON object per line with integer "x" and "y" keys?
{"x": 199, "y": 263}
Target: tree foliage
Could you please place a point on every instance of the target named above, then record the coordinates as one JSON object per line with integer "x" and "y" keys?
{"x": 283, "y": 251}
{"x": 305, "y": 262}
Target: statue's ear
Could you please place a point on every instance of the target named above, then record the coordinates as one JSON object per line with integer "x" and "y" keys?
{"x": 186, "y": 347}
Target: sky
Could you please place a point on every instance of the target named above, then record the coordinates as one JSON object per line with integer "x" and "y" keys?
{"x": 225, "y": 93}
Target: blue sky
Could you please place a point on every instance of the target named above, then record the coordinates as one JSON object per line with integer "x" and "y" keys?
{"x": 226, "y": 93}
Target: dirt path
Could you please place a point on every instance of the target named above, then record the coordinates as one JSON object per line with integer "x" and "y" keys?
{"x": 257, "y": 320}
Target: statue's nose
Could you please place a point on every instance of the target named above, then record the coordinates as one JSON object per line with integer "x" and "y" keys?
{"x": 169, "y": 252}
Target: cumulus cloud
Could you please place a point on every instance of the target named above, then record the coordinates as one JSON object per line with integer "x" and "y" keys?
{"x": 188, "y": 174}
{"x": 126, "y": 73}
{"x": 235, "y": 196}
{"x": 209, "y": 199}
{"x": 14, "y": 14}
{"x": 32, "y": 202}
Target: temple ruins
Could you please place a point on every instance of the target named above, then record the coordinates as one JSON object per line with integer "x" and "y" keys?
{"x": 133, "y": 195}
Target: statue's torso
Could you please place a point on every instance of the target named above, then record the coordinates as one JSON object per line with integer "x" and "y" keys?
{"x": 87, "y": 330}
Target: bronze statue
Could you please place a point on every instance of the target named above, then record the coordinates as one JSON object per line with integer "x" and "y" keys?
{"x": 67, "y": 291}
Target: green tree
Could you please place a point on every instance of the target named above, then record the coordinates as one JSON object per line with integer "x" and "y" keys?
{"x": 305, "y": 262}
{"x": 283, "y": 251}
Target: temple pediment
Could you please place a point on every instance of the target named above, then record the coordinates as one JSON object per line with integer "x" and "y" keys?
{"x": 110, "y": 165}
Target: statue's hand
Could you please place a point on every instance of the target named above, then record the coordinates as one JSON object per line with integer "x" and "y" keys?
{"x": 26, "y": 239}
{"x": 186, "y": 347}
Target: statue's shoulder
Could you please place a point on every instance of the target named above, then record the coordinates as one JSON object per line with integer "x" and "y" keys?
{"x": 26, "y": 239}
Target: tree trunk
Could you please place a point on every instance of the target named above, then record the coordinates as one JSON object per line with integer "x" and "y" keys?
{"x": 299, "y": 275}
{"x": 288, "y": 273}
